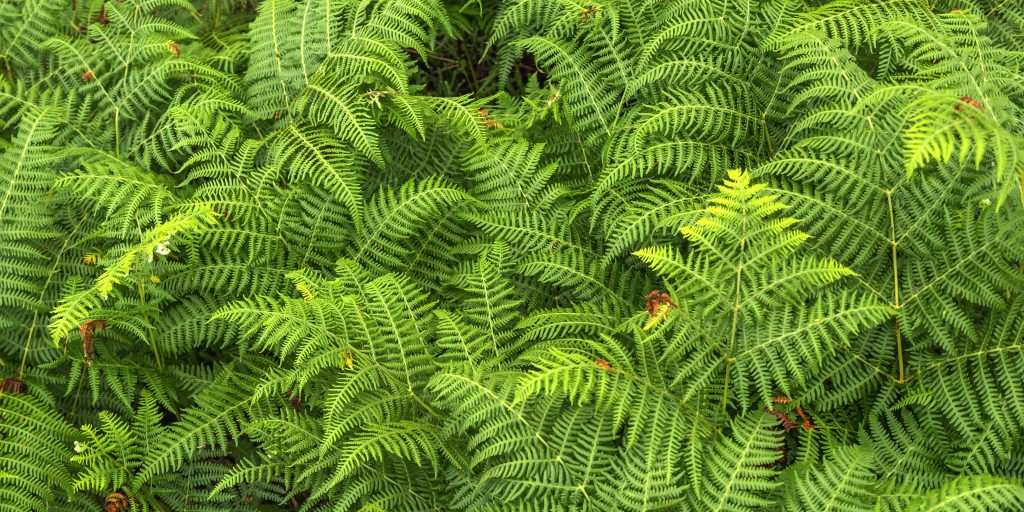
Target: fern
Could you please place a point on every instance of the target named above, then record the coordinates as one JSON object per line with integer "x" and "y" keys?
{"x": 737, "y": 475}
{"x": 537, "y": 255}
{"x": 729, "y": 273}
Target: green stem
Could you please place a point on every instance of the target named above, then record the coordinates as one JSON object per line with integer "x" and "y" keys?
{"x": 725, "y": 389}
{"x": 893, "y": 243}
{"x": 423, "y": 404}
{"x": 42, "y": 296}
{"x": 729, "y": 357}
{"x": 117, "y": 131}
{"x": 149, "y": 329}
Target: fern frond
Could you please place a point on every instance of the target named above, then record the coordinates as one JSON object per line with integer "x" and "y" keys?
{"x": 34, "y": 451}
{"x": 329, "y": 100}
{"x": 737, "y": 472}
{"x": 972, "y": 493}
{"x": 844, "y": 482}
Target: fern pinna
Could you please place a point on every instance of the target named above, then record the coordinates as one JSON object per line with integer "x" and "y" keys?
{"x": 610, "y": 255}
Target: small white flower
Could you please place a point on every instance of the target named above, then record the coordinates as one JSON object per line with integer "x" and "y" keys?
{"x": 161, "y": 249}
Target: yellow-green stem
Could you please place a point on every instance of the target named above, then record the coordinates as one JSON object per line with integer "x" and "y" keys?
{"x": 42, "y": 295}
{"x": 117, "y": 131}
{"x": 149, "y": 329}
{"x": 895, "y": 287}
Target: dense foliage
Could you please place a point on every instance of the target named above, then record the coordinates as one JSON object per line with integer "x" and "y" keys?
{"x": 332, "y": 255}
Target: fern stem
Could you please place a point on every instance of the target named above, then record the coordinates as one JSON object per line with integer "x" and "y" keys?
{"x": 149, "y": 329}
{"x": 42, "y": 294}
{"x": 28, "y": 343}
{"x": 729, "y": 358}
{"x": 618, "y": 108}
{"x": 117, "y": 131}
{"x": 78, "y": 394}
{"x": 895, "y": 286}
{"x": 996, "y": 8}
{"x": 899, "y": 353}
{"x": 471, "y": 67}
{"x": 423, "y": 404}
{"x": 725, "y": 388}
